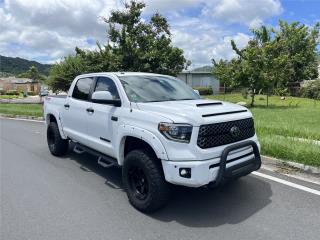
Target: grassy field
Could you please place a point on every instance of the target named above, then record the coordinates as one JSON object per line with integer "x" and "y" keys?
{"x": 21, "y": 109}
{"x": 287, "y": 128}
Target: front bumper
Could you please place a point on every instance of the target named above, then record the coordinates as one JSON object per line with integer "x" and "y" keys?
{"x": 236, "y": 160}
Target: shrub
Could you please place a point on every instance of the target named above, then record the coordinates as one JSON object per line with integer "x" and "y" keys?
{"x": 204, "y": 90}
{"x": 2, "y": 92}
{"x": 12, "y": 92}
{"x": 281, "y": 92}
{"x": 312, "y": 90}
{"x": 31, "y": 93}
{"x": 244, "y": 93}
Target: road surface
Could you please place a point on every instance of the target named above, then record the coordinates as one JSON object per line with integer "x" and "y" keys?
{"x": 44, "y": 197}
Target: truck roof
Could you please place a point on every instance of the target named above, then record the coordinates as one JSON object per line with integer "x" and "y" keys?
{"x": 118, "y": 74}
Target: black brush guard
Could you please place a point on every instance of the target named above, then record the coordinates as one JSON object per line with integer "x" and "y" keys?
{"x": 240, "y": 169}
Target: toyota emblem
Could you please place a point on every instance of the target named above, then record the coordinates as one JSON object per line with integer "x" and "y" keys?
{"x": 235, "y": 131}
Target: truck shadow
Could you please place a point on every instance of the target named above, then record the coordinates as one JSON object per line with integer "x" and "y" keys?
{"x": 231, "y": 204}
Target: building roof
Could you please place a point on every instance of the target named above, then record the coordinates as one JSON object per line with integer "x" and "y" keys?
{"x": 195, "y": 72}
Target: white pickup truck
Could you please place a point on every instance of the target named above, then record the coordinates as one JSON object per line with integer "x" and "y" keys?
{"x": 157, "y": 129}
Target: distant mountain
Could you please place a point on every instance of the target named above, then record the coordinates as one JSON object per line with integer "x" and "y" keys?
{"x": 14, "y": 66}
{"x": 203, "y": 69}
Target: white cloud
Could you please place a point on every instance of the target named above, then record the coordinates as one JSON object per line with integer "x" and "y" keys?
{"x": 50, "y": 29}
{"x": 170, "y": 5}
{"x": 249, "y": 12}
{"x": 200, "y": 48}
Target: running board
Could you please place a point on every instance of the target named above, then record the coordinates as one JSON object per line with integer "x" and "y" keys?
{"x": 103, "y": 160}
{"x": 106, "y": 162}
{"x": 78, "y": 150}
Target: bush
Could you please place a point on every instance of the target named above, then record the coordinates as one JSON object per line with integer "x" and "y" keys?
{"x": 12, "y": 92}
{"x": 312, "y": 90}
{"x": 281, "y": 92}
{"x": 244, "y": 93}
{"x": 2, "y": 92}
{"x": 31, "y": 93}
{"x": 204, "y": 90}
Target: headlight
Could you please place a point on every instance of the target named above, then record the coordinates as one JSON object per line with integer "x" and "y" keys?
{"x": 176, "y": 132}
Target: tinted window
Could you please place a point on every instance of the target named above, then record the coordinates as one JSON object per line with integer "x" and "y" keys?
{"x": 154, "y": 88}
{"x": 82, "y": 88}
{"x": 106, "y": 84}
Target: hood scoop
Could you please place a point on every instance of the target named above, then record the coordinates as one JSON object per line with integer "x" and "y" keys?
{"x": 208, "y": 104}
{"x": 223, "y": 113}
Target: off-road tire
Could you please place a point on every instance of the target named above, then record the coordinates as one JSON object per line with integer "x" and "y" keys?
{"x": 57, "y": 145}
{"x": 158, "y": 189}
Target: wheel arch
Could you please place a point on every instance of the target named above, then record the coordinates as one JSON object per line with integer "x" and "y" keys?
{"x": 137, "y": 138}
{"x": 52, "y": 117}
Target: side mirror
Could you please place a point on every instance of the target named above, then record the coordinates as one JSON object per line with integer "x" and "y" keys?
{"x": 105, "y": 97}
{"x": 196, "y": 91}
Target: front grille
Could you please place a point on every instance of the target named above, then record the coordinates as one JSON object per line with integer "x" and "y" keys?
{"x": 217, "y": 134}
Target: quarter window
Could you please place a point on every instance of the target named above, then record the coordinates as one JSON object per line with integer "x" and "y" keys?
{"x": 106, "y": 84}
{"x": 82, "y": 88}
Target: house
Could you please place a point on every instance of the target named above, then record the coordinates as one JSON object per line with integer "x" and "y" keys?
{"x": 200, "y": 79}
{"x": 19, "y": 84}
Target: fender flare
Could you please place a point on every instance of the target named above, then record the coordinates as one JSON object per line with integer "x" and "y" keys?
{"x": 145, "y": 135}
{"x": 56, "y": 114}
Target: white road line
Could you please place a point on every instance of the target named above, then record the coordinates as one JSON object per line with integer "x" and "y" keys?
{"x": 22, "y": 119}
{"x": 294, "y": 185}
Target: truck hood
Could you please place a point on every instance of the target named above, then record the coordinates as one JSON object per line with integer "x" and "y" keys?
{"x": 197, "y": 112}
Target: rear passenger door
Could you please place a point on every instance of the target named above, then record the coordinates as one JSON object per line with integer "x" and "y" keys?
{"x": 103, "y": 122}
{"x": 75, "y": 110}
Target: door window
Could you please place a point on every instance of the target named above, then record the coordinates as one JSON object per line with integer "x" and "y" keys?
{"x": 106, "y": 84}
{"x": 82, "y": 88}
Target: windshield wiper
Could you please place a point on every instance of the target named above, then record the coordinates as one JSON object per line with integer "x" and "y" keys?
{"x": 167, "y": 100}
{"x": 184, "y": 99}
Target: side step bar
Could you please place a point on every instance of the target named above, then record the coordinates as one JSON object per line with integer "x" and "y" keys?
{"x": 103, "y": 160}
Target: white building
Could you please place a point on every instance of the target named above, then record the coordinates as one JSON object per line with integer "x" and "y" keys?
{"x": 200, "y": 79}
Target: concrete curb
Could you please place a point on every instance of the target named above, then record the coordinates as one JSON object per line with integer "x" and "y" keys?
{"x": 25, "y": 117}
{"x": 298, "y": 166}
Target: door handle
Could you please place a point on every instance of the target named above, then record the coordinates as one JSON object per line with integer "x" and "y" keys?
{"x": 90, "y": 110}
{"x": 66, "y": 106}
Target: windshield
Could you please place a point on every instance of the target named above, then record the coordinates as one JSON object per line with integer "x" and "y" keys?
{"x": 148, "y": 88}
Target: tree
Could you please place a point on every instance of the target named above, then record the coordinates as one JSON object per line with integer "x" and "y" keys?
{"x": 63, "y": 73}
{"x": 143, "y": 46}
{"x": 133, "y": 45}
{"x": 33, "y": 74}
{"x": 272, "y": 58}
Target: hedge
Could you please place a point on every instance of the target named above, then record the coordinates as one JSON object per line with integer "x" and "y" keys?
{"x": 204, "y": 90}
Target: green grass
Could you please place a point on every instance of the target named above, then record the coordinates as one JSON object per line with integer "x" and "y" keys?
{"x": 21, "y": 109}
{"x": 8, "y": 96}
{"x": 281, "y": 124}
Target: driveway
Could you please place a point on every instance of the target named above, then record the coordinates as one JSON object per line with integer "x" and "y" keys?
{"x": 44, "y": 197}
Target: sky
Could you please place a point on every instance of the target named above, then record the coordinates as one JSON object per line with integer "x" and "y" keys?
{"x": 48, "y": 30}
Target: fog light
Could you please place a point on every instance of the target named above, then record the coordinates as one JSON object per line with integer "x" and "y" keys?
{"x": 185, "y": 172}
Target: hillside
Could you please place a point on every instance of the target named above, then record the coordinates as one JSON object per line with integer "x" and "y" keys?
{"x": 18, "y": 65}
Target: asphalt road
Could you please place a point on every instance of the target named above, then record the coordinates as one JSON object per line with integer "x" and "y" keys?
{"x": 44, "y": 197}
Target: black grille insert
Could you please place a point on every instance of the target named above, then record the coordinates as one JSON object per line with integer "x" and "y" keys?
{"x": 217, "y": 134}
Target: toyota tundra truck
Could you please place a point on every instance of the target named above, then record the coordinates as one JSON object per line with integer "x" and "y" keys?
{"x": 157, "y": 129}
